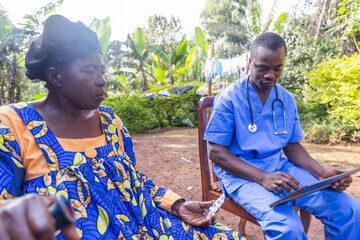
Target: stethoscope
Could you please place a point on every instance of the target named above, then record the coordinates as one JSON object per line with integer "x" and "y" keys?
{"x": 252, "y": 126}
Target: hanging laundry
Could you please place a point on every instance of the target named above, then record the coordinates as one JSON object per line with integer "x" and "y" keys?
{"x": 216, "y": 69}
{"x": 208, "y": 69}
{"x": 226, "y": 66}
{"x": 177, "y": 90}
{"x": 164, "y": 93}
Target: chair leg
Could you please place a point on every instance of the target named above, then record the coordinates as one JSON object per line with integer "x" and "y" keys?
{"x": 241, "y": 227}
{"x": 305, "y": 219}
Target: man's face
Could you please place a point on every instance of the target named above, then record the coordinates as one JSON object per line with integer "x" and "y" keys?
{"x": 266, "y": 68}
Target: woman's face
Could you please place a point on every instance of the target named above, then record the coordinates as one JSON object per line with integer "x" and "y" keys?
{"x": 83, "y": 83}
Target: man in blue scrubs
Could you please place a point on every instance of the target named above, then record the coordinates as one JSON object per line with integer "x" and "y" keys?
{"x": 246, "y": 145}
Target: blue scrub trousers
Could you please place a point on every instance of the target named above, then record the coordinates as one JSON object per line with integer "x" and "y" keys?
{"x": 339, "y": 212}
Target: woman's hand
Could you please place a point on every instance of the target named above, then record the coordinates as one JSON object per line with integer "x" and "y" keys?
{"x": 277, "y": 181}
{"x": 340, "y": 185}
{"x": 193, "y": 213}
{"x": 28, "y": 217}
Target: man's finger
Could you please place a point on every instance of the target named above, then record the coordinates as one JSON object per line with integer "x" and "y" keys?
{"x": 285, "y": 186}
{"x": 278, "y": 189}
{"x": 288, "y": 176}
{"x": 291, "y": 183}
{"x": 346, "y": 180}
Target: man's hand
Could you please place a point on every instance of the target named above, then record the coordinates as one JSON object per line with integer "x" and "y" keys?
{"x": 28, "y": 217}
{"x": 277, "y": 181}
{"x": 338, "y": 186}
{"x": 193, "y": 213}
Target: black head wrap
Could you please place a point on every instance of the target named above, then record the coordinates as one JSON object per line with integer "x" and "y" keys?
{"x": 61, "y": 42}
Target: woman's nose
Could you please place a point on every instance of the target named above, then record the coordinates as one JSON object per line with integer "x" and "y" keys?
{"x": 100, "y": 81}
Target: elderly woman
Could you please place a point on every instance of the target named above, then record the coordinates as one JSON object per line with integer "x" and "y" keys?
{"x": 68, "y": 144}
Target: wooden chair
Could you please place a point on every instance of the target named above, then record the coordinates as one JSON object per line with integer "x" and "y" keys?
{"x": 210, "y": 186}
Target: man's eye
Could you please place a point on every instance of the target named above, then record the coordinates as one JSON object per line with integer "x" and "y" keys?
{"x": 261, "y": 69}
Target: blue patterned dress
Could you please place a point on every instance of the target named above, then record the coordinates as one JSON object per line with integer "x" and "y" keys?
{"x": 110, "y": 197}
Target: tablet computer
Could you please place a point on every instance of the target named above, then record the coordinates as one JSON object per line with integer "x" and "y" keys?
{"x": 314, "y": 187}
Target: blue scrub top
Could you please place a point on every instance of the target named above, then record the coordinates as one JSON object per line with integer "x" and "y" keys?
{"x": 228, "y": 126}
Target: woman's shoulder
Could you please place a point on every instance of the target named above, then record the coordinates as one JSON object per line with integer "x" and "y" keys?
{"x": 9, "y": 116}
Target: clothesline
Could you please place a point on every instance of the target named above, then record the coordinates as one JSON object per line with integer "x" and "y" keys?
{"x": 233, "y": 66}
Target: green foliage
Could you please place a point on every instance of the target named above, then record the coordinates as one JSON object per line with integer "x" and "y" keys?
{"x": 201, "y": 41}
{"x": 103, "y": 31}
{"x": 34, "y": 21}
{"x": 304, "y": 52}
{"x": 253, "y": 19}
{"x": 140, "y": 114}
{"x": 302, "y": 57}
{"x": 281, "y": 22}
{"x": 330, "y": 132}
{"x": 172, "y": 63}
{"x": 139, "y": 41}
{"x": 230, "y": 20}
{"x": 159, "y": 53}
{"x": 136, "y": 117}
{"x": 348, "y": 21}
{"x": 335, "y": 84}
{"x": 163, "y": 33}
{"x": 333, "y": 99}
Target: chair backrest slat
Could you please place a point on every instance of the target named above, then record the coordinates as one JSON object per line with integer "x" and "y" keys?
{"x": 204, "y": 103}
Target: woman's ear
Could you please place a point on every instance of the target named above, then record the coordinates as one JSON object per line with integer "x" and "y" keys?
{"x": 53, "y": 76}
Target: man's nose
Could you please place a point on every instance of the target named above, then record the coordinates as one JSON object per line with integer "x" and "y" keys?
{"x": 270, "y": 74}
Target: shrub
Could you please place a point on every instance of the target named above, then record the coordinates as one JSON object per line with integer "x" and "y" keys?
{"x": 330, "y": 132}
{"x": 140, "y": 114}
{"x": 131, "y": 111}
{"x": 332, "y": 100}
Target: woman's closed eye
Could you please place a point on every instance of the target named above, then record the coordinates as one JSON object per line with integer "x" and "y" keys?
{"x": 89, "y": 71}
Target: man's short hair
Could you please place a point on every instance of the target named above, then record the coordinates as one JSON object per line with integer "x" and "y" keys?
{"x": 269, "y": 40}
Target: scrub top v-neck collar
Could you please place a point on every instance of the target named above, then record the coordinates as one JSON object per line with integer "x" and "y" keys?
{"x": 256, "y": 103}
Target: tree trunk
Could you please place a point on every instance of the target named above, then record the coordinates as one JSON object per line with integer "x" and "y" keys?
{"x": 144, "y": 82}
{"x": 171, "y": 80}
{"x": 2, "y": 97}
{"x": 17, "y": 86}
{"x": 270, "y": 16}
{"x": 18, "y": 94}
{"x": 11, "y": 93}
{"x": 325, "y": 8}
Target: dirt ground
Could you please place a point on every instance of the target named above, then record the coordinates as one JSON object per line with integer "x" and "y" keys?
{"x": 171, "y": 159}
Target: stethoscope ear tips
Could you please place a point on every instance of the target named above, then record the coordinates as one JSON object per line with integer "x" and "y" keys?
{"x": 252, "y": 127}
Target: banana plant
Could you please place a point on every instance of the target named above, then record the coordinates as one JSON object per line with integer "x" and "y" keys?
{"x": 11, "y": 61}
{"x": 173, "y": 61}
{"x": 103, "y": 31}
{"x": 200, "y": 37}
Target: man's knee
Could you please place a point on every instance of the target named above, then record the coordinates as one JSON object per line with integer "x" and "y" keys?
{"x": 282, "y": 223}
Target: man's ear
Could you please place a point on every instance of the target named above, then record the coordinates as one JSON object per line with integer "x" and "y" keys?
{"x": 53, "y": 76}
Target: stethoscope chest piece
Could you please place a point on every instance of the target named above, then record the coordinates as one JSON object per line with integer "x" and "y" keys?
{"x": 252, "y": 127}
